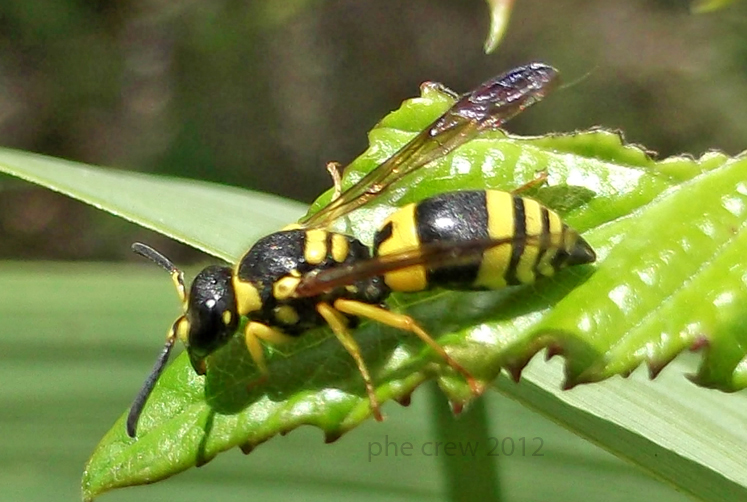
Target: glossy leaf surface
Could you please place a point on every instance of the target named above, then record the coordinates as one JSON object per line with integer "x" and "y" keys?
{"x": 669, "y": 277}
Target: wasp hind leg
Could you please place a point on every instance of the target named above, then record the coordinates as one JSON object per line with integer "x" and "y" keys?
{"x": 339, "y": 327}
{"x": 405, "y": 323}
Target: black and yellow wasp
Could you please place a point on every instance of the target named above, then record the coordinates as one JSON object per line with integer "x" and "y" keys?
{"x": 306, "y": 275}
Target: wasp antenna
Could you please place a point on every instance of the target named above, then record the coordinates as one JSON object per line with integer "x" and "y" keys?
{"x": 176, "y": 275}
{"x": 150, "y": 382}
{"x": 580, "y": 79}
{"x": 154, "y": 256}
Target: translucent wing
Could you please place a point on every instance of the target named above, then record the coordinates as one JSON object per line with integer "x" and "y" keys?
{"x": 487, "y": 107}
{"x": 434, "y": 255}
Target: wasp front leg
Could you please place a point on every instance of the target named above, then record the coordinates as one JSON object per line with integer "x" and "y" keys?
{"x": 256, "y": 331}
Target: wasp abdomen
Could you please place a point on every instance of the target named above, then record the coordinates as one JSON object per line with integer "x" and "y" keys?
{"x": 535, "y": 240}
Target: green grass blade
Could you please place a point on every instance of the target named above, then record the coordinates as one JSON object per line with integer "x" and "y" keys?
{"x": 692, "y": 438}
{"x": 220, "y": 220}
{"x": 459, "y": 437}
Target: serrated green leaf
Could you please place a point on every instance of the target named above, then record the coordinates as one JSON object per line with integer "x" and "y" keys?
{"x": 630, "y": 205}
{"x": 63, "y": 386}
{"x": 675, "y": 281}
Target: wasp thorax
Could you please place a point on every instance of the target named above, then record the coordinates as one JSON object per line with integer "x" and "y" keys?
{"x": 211, "y": 312}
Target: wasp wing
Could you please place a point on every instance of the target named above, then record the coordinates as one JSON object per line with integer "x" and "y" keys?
{"x": 487, "y": 107}
{"x": 432, "y": 255}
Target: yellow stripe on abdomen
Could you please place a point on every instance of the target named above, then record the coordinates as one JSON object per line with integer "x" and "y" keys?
{"x": 555, "y": 240}
{"x": 403, "y": 237}
{"x": 533, "y": 221}
{"x": 501, "y": 225}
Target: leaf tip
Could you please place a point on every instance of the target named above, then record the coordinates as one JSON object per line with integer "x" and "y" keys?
{"x": 569, "y": 384}
{"x": 500, "y": 12}
{"x": 627, "y": 372}
{"x": 248, "y": 446}
{"x": 553, "y": 350}
{"x": 516, "y": 366}
{"x": 457, "y": 407}
{"x": 331, "y": 436}
{"x": 655, "y": 367}
{"x": 700, "y": 342}
{"x": 404, "y": 400}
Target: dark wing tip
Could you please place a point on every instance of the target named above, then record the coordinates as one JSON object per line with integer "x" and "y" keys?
{"x": 534, "y": 77}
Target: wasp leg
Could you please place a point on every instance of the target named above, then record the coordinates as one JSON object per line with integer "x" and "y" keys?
{"x": 339, "y": 327}
{"x": 405, "y": 323}
{"x": 536, "y": 182}
{"x": 335, "y": 170}
{"x": 255, "y": 332}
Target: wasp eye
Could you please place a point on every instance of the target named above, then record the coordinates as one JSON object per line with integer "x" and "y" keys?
{"x": 211, "y": 311}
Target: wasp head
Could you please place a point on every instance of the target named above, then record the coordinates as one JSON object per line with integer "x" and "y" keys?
{"x": 210, "y": 318}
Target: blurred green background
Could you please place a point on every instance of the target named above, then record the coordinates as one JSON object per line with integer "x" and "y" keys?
{"x": 261, "y": 94}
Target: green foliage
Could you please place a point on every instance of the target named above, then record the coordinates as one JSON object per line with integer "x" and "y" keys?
{"x": 204, "y": 215}
{"x": 703, "y": 6}
{"x": 669, "y": 278}
{"x": 97, "y": 332}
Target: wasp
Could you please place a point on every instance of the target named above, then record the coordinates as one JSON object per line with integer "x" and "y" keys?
{"x": 307, "y": 275}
